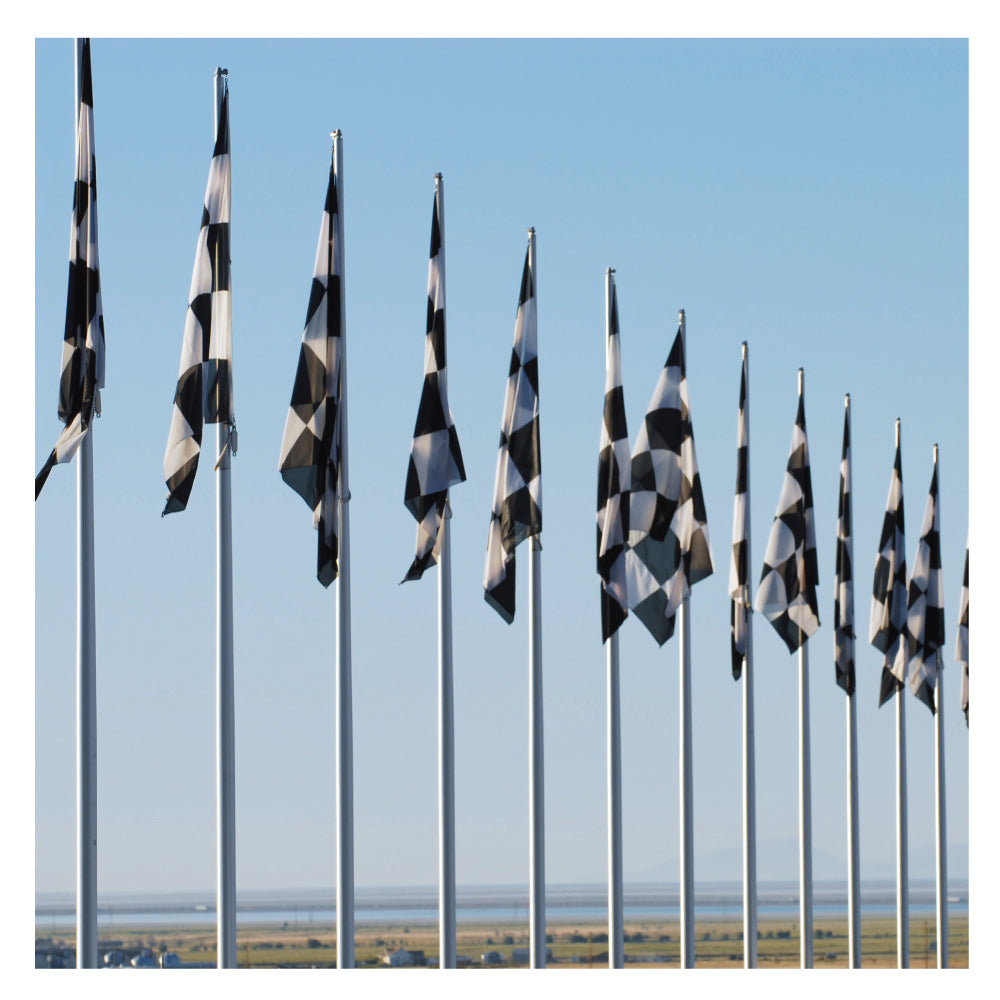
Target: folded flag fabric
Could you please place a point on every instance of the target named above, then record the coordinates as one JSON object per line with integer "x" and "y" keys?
{"x": 435, "y": 456}
{"x": 962, "y": 643}
{"x": 669, "y": 549}
{"x": 786, "y": 594}
{"x": 83, "y": 340}
{"x": 613, "y": 483}
{"x": 888, "y": 631}
{"x": 843, "y": 588}
{"x": 739, "y": 586}
{"x": 311, "y": 446}
{"x": 925, "y": 601}
{"x": 204, "y": 392}
{"x": 517, "y": 492}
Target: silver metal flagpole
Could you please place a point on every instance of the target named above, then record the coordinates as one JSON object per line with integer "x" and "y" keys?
{"x": 805, "y": 803}
{"x": 939, "y": 804}
{"x": 225, "y": 693}
{"x": 616, "y": 933}
{"x": 686, "y": 769}
{"x": 86, "y": 670}
{"x": 446, "y": 704}
{"x": 536, "y": 805}
{"x": 345, "y": 733}
{"x": 749, "y": 765}
{"x": 902, "y": 851}
{"x": 853, "y": 827}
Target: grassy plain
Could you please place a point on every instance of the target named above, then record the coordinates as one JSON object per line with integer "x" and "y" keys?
{"x": 649, "y": 944}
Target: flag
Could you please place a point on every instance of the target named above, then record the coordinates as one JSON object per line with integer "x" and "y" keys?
{"x": 668, "y": 549}
{"x": 311, "y": 446}
{"x": 843, "y": 587}
{"x": 613, "y": 480}
{"x": 83, "y": 341}
{"x": 435, "y": 455}
{"x": 888, "y": 631}
{"x": 739, "y": 589}
{"x": 925, "y": 603}
{"x": 205, "y": 382}
{"x": 786, "y": 594}
{"x": 962, "y": 644}
{"x": 517, "y": 493}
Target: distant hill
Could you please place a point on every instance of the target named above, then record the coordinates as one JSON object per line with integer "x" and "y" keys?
{"x": 778, "y": 860}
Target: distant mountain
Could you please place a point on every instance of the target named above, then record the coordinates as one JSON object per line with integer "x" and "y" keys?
{"x": 778, "y": 860}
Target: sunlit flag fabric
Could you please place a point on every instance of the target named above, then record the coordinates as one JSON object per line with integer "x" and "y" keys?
{"x": 888, "y": 631}
{"x": 786, "y": 595}
{"x": 435, "y": 456}
{"x": 962, "y": 643}
{"x": 925, "y": 602}
{"x": 517, "y": 495}
{"x": 668, "y": 528}
{"x": 843, "y": 601}
{"x": 739, "y": 589}
{"x": 205, "y": 383}
{"x": 613, "y": 479}
{"x": 83, "y": 341}
{"x": 310, "y": 448}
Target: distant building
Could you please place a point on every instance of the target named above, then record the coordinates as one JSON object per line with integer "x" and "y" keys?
{"x": 402, "y": 957}
{"x": 522, "y": 956}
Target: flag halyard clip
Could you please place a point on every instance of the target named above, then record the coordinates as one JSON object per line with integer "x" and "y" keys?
{"x": 230, "y": 445}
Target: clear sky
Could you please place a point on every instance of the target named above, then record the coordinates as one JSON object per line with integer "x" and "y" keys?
{"x": 809, "y": 197}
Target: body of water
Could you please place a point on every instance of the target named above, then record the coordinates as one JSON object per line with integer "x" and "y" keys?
{"x": 493, "y": 905}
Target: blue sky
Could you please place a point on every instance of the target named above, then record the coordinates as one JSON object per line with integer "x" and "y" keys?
{"x": 809, "y": 197}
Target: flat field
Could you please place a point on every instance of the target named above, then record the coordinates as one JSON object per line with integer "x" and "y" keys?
{"x": 575, "y": 945}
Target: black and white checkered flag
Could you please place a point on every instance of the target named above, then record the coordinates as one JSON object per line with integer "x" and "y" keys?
{"x": 962, "y": 643}
{"x": 843, "y": 587}
{"x": 517, "y": 494}
{"x": 668, "y": 549}
{"x": 613, "y": 481}
{"x": 786, "y": 595}
{"x": 739, "y": 586}
{"x": 435, "y": 456}
{"x": 205, "y": 382}
{"x": 310, "y": 448}
{"x": 925, "y": 601}
{"x": 888, "y": 631}
{"x": 83, "y": 341}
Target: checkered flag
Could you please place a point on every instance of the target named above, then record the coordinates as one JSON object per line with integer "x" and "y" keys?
{"x": 310, "y": 448}
{"x": 925, "y": 602}
{"x": 962, "y": 644}
{"x": 205, "y": 382}
{"x": 517, "y": 494}
{"x": 669, "y": 549}
{"x": 888, "y": 631}
{"x": 613, "y": 480}
{"x": 435, "y": 455}
{"x": 83, "y": 341}
{"x": 843, "y": 587}
{"x": 786, "y": 595}
{"x": 739, "y": 587}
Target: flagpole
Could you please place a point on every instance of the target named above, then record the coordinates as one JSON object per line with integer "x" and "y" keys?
{"x": 902, "y": 852}
{"x": 225, "y": 696}
{"x": 344, "y": 697}
{"x": 853, "y": 853}
{"x": 86, "y": 670}
{"x": 616, "y": 931}
{"x": 749, "y": 764}
{"x": 536, "y": 748}
{"x": 446, "y": 704}
{"x": 686, "y": 778}
{"x": 939, "y": 804}
{"x": 805, "y": 802}
{"x": 805, "y": 816}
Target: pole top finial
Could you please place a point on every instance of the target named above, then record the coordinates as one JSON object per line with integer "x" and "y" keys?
{"x": 221, "y": 72}
{"x": 438, "y": 176}
{"x": 847, "y": 400}
{"x": 336, "y": 134}
{"x": 743, "y": 350}
{"x": 610, "y": 270}
{"x": 531, "y": 230}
